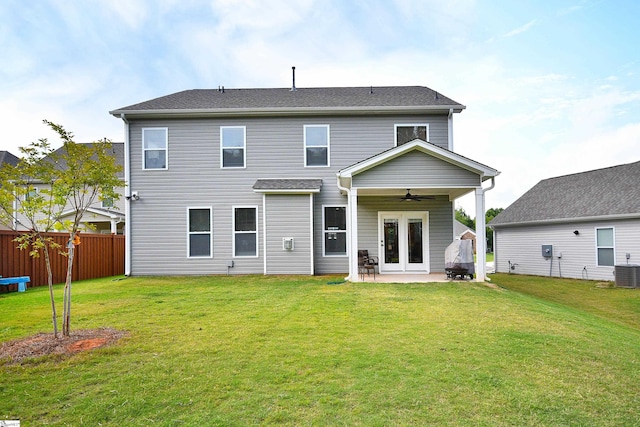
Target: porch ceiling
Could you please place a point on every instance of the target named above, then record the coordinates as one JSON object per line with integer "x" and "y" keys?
{"x": 449, "y": 192}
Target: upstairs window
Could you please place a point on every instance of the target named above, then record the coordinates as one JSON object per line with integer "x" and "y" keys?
{"x": 605, "y": 246}
{"x": 245, "y": 232}
{"x": 232, "y": 146}
{"x": 154, "y": 147}
{"x": 31, "y": 194}
{"x": 200, "y": 236}
{"x": 335, "y": 230}
{"x": 107, "y": 202}
{"x": 408, "y": 132}
{"x": 316, "y": 145}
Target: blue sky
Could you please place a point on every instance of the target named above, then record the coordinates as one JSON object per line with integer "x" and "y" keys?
{"x": 551, "y": 87}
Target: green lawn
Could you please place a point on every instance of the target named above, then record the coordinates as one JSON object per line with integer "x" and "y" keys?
{"x": 254, "y": 350}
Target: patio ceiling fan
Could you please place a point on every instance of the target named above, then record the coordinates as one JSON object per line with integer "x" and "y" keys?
{"x": 414, "y": 197}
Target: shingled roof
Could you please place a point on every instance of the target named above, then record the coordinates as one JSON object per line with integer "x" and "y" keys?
{"x": 117, "y": 149}
{"x": 7, "y": 157}
{"x": 609, "y": 192}
{"x": 299, "y": 100}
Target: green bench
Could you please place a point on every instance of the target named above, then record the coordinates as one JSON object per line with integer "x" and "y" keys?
{"x": 20, "y": 281}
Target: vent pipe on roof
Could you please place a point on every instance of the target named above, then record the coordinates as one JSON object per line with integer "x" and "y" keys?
{"x": 371, "y": 90}
{"x": 293, "y": 71}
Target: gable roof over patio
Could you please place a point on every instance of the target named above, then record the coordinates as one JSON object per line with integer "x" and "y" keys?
{"x": 428, "y": 173}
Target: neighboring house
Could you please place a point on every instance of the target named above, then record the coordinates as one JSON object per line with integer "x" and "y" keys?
{"x": 293, "y": 181}
{"x": 463, "y": 232}
{"x": 7, "y": 157}
{"x": 579, "y": 225}
{"x": 104, "y": 216}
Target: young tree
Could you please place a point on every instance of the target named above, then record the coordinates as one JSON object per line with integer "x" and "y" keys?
{"x": 85, "y": 174}
{"x": 45, "y": 183}
{"x": 28, "y": 201}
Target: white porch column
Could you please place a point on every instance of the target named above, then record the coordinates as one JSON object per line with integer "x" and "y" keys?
{"x": 481, "y": 237}
{"x": 114, "y": 227}
{"x": 353, "y": 233}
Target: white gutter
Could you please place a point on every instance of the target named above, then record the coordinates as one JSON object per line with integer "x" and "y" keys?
{"x": 348, "y": 191}
{"x": 127, "y": 199}
{"x": 289, "y": 111}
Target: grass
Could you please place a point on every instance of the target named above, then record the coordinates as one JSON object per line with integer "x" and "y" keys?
{"x": 490, "y": 257}
{"x": 253, "y": 350}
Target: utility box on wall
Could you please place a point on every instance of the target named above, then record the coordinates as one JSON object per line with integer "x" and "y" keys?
{"x": 287, "y": 243}
{"x": 547, "y": 251}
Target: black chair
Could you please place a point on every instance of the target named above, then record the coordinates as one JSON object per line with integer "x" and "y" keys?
{"x": 367, "y": 264}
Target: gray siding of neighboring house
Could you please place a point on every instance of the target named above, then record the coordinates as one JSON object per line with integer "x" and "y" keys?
{"x": 440, "y": 222}
{"x": 194, "y": 178}
{"x": 522, "y": 245}
{"x": 426, "y": 171}
{"x": 288, "y": 216}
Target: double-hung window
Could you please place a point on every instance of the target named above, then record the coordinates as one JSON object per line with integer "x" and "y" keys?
{"x": 335, "y": 230}
{"x": 107, "y": 202}
{"x": 408, "y": 132}
{"x": 316, "y": 145}
{"x": 155, "y": 148}
{"x": 200, "y": 232}
{"x": 233, "y": 146}
{"x": 245, "y": 231}
{"x": 605, "y": 246}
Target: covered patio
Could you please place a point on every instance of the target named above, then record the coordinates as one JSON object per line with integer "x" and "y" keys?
{"x": 401, "y": 209}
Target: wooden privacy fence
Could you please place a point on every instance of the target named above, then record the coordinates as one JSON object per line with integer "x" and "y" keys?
{"x": 98, "y": 255}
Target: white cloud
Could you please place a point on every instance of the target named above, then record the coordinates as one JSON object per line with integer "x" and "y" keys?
{"x": 526, "y": 27}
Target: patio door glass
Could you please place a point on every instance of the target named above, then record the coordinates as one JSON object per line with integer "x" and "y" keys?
{"x": 403, "y": 241}
{"x": 391, "y": 249}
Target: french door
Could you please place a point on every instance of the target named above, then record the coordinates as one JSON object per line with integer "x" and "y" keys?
{"x": 404, "y": 241}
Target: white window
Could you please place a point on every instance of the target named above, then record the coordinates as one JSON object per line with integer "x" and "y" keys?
{"x": 233, "y": 146}
{"x": 245, "y": 231}
{"x": 316, "y": 145}
{"x": 605, "y": 246}
{"x": 31, "y": 194}
{"x": 155, "y": 148}
{"x": 334, "y": 220}
{"x": 408, "y": 132}
{"x": 200, "y": 232}
{"x": 107, "y": 202}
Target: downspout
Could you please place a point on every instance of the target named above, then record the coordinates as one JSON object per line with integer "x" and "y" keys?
{"x": 482, "y": 233}
{"x": 127, "y": 200}
{"x": 450, "y": 130}
{"x": 348, "y": 191}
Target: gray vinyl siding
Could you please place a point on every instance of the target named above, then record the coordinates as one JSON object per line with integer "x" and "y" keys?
{"x": 523, "y": 246}
{"x": 275, "y": 149}
{"x": 426, "y": 171}
{"x": 440, "y": 225}
{"x": 288, "y": 216}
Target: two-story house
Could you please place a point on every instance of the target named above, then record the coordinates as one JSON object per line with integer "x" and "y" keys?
{"x": 294, "y": 181}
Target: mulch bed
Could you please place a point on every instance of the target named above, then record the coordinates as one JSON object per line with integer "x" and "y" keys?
{"x": 45, "y": 344}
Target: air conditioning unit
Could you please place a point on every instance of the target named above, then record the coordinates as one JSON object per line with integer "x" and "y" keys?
{"x": 628, "y": 276}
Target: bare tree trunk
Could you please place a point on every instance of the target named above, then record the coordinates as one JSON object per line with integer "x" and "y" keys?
{"x": 54, "y": 315}
{"x": 66, "y": 315}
